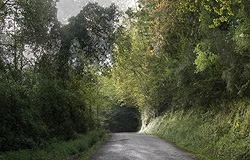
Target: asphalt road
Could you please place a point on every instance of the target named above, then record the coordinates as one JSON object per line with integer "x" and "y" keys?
{"x": 135, "y": 146}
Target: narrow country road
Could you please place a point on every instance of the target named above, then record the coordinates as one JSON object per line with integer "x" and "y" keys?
{"x": 135, "y": 146}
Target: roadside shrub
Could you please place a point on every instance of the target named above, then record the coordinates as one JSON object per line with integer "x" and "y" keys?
{"x": 58, "y": 150}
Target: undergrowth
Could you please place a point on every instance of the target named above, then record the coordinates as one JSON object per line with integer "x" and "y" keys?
{"x": 215, "y": 134}
{"x": 58, "y": 151}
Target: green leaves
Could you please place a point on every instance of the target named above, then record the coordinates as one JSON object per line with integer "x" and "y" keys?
{"x": 222, "y": 10}
{"x": 59, "y": 95}
{"x": 93, "y": 28}
{"x": 204, "y": 57}
{"x": 179, "y": 54}
{"x": 38, "y": 19}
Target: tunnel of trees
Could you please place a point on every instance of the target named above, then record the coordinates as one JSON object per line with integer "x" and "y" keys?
{"x": 121, "y": 118}
{"x": 57, "y": 81}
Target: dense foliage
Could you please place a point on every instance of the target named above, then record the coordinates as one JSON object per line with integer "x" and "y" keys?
{"x": 59, "y": 80}
{"x": 189, "y": 57}
{"x": 49, "y": 72}
{"x": 182, "y": 54}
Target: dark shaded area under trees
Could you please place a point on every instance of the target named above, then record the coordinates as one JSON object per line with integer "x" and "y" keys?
{"x": 122, "y": 118}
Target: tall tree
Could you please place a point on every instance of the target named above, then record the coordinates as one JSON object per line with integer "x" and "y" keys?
{"x": 88, "y": 38}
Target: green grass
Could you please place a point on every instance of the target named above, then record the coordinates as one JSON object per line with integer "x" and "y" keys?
{"x": 215, "y": 134}
{"x": 87, "y": 154}
{"x": 61, "y": 150}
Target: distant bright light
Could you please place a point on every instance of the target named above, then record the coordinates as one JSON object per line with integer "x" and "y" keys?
{"x": 69, "y": 8}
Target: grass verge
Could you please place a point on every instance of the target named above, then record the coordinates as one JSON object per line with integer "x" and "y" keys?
{"x": 214, "y": 134}
{"x": 86, "y": 155}
{"x": 61, "y": 150}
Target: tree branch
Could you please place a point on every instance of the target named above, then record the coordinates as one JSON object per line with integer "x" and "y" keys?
{"x": 4, "y": 4}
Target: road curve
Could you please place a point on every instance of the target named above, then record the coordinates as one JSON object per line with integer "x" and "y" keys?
{"x": 135, "y": 146}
